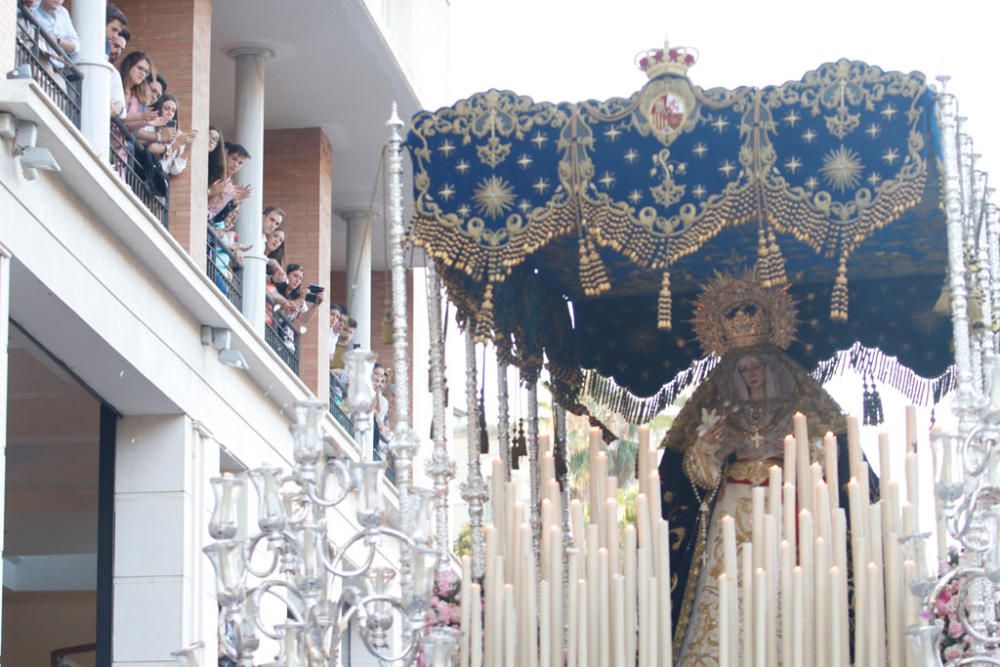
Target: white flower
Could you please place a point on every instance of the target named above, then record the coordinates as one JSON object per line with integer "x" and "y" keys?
{"x": 709, "y": 418}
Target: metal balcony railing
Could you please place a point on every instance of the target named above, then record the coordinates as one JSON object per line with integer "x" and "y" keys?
{"x": 338, "y": 398}
{"x": 283, "y": 338}
{"x": 138, "y": 169}
{"x": 49, "y": 65}
{"x": 223, "y": 269}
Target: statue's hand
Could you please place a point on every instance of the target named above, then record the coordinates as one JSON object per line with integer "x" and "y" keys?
{"x": 701, "y": 463}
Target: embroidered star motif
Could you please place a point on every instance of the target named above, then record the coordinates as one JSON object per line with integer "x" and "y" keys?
{"x": 698, "y": 191}
{"x": 873, "y": 130}
{"x": 539, "y": 139}
{"x": 462, "y": 166}
{"x": 808, "y": 136}
{"x": 889, "y": 111}
{"x": 524, "y": 206}
{"x": 635, "y": 196}
{"x": 792, "y": 117}
{"x": 524, "y": 161}
{"x": 447, "y": 192}
{"x": 612, "y": 133}
{"x": 793, "y": 165}
{"x": 700, "y": 149}
{"x": 874, "y": 178}
{"x": 811, "y": 183}
{"x": 720, "y": 124}
{"x": 727, "y": 168}
{"x": 607, "y": 180}
{"x": 464, "y": 210}
{"x": 631, "y": 156}
{"x": 890, "y": 156}
{"x": 682, "y": 168}
{"x": 446, "y": 147}
{"x": 541, "y": 185}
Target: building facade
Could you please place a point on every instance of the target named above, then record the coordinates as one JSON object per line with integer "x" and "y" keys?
{"x": 116, "y": 304}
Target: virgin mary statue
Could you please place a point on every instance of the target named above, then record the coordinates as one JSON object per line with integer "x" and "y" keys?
{"x": 725, "y": 440}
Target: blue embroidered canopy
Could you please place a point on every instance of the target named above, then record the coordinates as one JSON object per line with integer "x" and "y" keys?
{"x": 580, "y": 233}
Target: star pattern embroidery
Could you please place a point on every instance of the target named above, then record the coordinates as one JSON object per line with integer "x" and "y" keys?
{"x": 446, "y": 147}
{"x": 631, "y": 156}
{"x": 539, "y": 139}
{"x": 524, "y": 161}
{"x": 700, "y": 149}
{"x": 890, "y": 156}
{"x": 808, "y": 136}
{"x": 842, "y": 168}
{"x": 792, "y": 117}
{"x": 635, "y": 196}
{"x": 793, "y": 164}
{"x": 873, "y": 130}
{"x": 698, "y": 191}
{"x": 720, "y": 124}
{"x": 541, "y": 185}
{"x": 727, "y": 168}
{"x": 607, "y": 180}
{"x": 612, "y": 133}
{"x": 462, "y": 166}
{"x": 889, "y": 111}
{"x": 447, "y": 192}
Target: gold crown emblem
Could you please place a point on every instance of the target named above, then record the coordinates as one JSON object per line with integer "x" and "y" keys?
{"x": 737, "y": 311}
{"x": 669, "y": 60}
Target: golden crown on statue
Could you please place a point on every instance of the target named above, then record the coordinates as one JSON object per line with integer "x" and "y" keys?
{"x": 668, "y": 60}
{"x": 737, "y": 311}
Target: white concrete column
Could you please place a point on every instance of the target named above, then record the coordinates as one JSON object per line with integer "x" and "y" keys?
{"x": 360, "y": 229}
{"x": 4, "y": 331}
{"x": 250, "y": 132}
{"x": 95, "y": 112}
{"x": 163, "y": 584}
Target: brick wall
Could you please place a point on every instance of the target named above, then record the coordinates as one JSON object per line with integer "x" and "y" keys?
{"x": 298, "y": 178}
{"x": 177, "y": 35}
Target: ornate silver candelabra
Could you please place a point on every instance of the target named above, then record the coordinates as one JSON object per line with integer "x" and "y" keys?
{"x": 321, "y": 584}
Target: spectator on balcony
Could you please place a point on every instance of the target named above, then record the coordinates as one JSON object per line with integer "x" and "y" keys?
{"x": 172, "y": 158}
{"x": 223, "y": 194}
{"x": 216, "y": 156}
{"x": 380, "y": 440}
{"x": 272, "y": 219}
{"x": 337, "y": 316}
{"x": 296, "y": 307}
{"x": 55, "y": 20}
{"x": 116, "y": 46}
{"x": 114, "y": 24}
{"x": 274, "y": 250}
{"x": 157, "y": 89}
{"x": 227, "y": 251}
{"x": 344, "y": 344}
{"x": 135, "y": 70}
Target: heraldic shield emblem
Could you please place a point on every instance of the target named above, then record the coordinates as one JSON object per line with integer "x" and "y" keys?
{"x": 667, "y": 102}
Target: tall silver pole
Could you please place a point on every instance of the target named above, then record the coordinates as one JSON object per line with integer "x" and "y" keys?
{"x": 474, "y": 490}
{"x": 503, "y": 417}
{"x": 440, "y": 467}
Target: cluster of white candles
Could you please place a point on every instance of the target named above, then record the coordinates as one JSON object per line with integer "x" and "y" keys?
{"x": 792, "y": 575}
{"x": 601, "y": 596}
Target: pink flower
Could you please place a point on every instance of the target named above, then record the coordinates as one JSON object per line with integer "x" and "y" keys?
{"x": 953, "y": 652}
{"x": 955, "y": 629}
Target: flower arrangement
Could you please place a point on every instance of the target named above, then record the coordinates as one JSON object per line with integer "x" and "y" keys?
{"x": 953, "y": 637}
{"x": 445, "y": 606}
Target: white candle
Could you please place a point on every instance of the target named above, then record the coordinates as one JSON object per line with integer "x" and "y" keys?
{"x": 646, "y": 597}
{"x": 509, "y": 627}
{"x": 873, "y": 583}
{"x": 631, "y": 598}
{"x": 912, "y": 478}
{"x": 806, "y": 548}
{"x": 884, "y": 457}
{"x": 583, "y": 638}
{"x": 798, "y": 611}
{"x": 760, "y": 618}
{"x": 611, "y": 518}
{"x": 746, "y": 565}
{"x": 890, "y": 507}
{"x": 653, "y": 609}
{"x": 510, "y": 530}
{"x": 757, "y": 525}
{"x": 840, "y": 562}
{"x": 547, "y": 516}
{"x": 771, "y": 591}
{"x": 790, "y": 528}
{"x": 465, "y": 610}
{"x": 836, "y": 612}
{"x": 643, "y": 458}
{"x": 619, "y": 619}
{"x": 830, "y": 468}
{"x": 477, "y": 626}
{"x": 593, "y": 594}
{"x": 604, "y": 609}
{"x": 822, "y": 514}
{"x": 573, "y": 608}
{"x": 893, "y": 601}
{"x": 821, "y": 605}
{"x": 494, "y": 621}
{"x": 909, "y": 599}
{"x": 655, "y": 500}
{"x": 724, "y": 640}
{"x": 787, "y": 556}
{"x": 877, "y": 619}
{"x": 909, "y": 519}
{"x": 547, "y": 467}
{"x": 774, "y": 490}
{"x": 600, "y": 483}
{"x": 493, "y": 597}
{"x": 544, "y": 614}
{"x": 788, "y": 469}
{"x": 642, "y": 522}
{"x": 663, "y": 581}
{"x": 578, "y": 524}
{"x": 556, "y": 596}
{"x": 911, "y": 429}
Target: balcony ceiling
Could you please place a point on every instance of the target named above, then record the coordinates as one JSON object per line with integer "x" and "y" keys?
{"x": 332, "y": 69}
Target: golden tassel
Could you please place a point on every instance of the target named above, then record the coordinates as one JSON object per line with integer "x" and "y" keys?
{"x": 763, "y": 268}
{"x": 665, "y": 305}
{"x": 593, "y": 274}
{"x": 777, "y": 275}
{"x": 838, "y": 301}
{"x": 484, "y": 318}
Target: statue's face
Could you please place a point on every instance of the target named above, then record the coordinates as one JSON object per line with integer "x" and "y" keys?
{"x": 753, "y": 372}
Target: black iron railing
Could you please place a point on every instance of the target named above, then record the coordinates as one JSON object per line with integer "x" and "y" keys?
{"x": 338, "y": 399}
{"x": 283, "y": 338}
{"x": 223, "y": 269}
{"x": 50, "y": 67}
{"x": 138, "y": 169}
